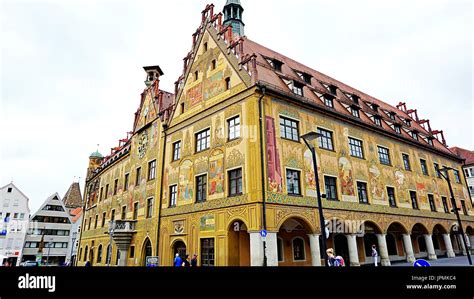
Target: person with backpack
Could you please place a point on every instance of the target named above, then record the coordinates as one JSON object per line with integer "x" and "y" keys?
{"x": 375, "y": 254}
{"x": 334, "y": 261}
{"x": 186, "y": 261}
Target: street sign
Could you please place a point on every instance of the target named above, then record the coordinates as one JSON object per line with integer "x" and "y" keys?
{"x": 421, "y": 263}
{"x": 152, "y": 261}
{"x": 263, "y": 233}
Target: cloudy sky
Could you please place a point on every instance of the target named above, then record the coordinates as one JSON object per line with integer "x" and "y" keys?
{"x": 71, "y": 71}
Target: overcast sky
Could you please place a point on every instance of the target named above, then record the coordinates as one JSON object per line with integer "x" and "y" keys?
{"x": 71, "y": 71}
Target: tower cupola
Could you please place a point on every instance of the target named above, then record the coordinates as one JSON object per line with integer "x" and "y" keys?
{"x": 233, "y": 11}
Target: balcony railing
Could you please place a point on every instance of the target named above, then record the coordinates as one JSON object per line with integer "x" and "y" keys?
{"x": 124, "y": 226}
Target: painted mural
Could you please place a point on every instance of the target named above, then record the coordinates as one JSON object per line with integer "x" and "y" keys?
{"x": 214, "y": 85}
{"x": 376, "y": 185}
{"x": 401, "y": 185}
{"x": 207, "y": 223}
{"x": 346, "y": 177}
{"x": 186, "y": 181}
{"x": 422, "y": 194}
{"x": 216, "y": 174}
{"x": 310, "y": 179}
{"x": 273, "y": 157}
{"x": 194, "y": 94}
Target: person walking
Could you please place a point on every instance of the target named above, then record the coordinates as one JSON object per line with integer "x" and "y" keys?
{"x": 375, "y": 254}
{"x": 177, "y": 260}
{"x": 186, "y": 261}
{"x": 88, "y": 264}
{"x": 194, "y": 260}
{"x": 331, "y": 257}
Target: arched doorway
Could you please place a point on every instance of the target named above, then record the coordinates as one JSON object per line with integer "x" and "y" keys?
{"x": 470, "y": 238}
{"x": 370, "y": 238}
{"x": 419, "y": 243}
{"x": 395, "y": 245}
{"x": 147, "y": 251}
{"x": 238, "y": 245}
{"x": 438, "y": 241}
{"x": 294, "y": 243}
{"x": 180, "y": 248}
{"x": 341, "y": 248}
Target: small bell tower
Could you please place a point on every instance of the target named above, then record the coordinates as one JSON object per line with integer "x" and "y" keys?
{"x": 152, "y": 73}
{"x": 233, "y": 11}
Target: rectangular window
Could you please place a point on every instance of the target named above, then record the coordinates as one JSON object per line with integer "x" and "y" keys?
{"x": 391, "y": 197}
{"x": 104, "y": 215}
{"x": 384, "y": 155}
{"x": 138, "y": 176}
{"x": 432, "y": 202}
{"x": 227, "y": 83}
{"x": 414, "y": 135}
{"x": 152, "y": 170}
{"x": 115, "y": 186}
{"x": 106, "y": 191}
{"x": 233, "y": 125}
{"x": 90, "y": 221}
{"x": 356, "y": 148}
{"x": 329, "y": 102}
{"x": 101, "y": 193}
{"x": 466, "y": 172}
{"x": 457, "y": 178}
{"x": 436, "y": 168}
{"x": 135, "y": 211}
{"x": 330, "y": 187}
{"x": 355, "y": 112}
{"x": 124, "y": 212}
{"x": 289, "y": 129}
{"x": 293, "y": 182}
{"x": 207, "y": 252}
{"x": 96, "y": 220}
{"x": 392, "y": 115}
{"x": 203, "y": 140}
{"x": 406, "y": 162}
{"x": 377, "y": 121}
{"x": 463, "y": 205}
{"x": 112, "y": 215}
{"x": 235, "y": 182}
{"x": 445, "y": 204}
{"x": 325, "y": 140}
{"x": 177, "y": 151}
{"x": 173, "y": 195}
{"x": 149, "y": 208}
{"x": 125, "y": 183}
{"x": 424, "y": 168}
{"x": 398, "y": 130}
{"x": 132, "y": 251}
{"x": 298, "y": 88}
{"x": 201, "y": 188}
{"x": 414, "y": 200}
{"x": 362, "y": 192}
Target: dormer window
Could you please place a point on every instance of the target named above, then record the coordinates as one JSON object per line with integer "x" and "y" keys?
{"x": 276, "y": 64}
{"x": 407, "y": 122}
{"x": 398, "y": 129}
{"x": 328, "y": 101}
{"x": 332, "y": 89}
{"x": 355, "y": 112}
{"x": 355, "y": 99}
{"x": 392, "y": 115}
{"x": 305, "y": 77}
{"x": 430, "y": 141}
{"x": 414, "y": 134}
{"x": 298, "y": 88}
{"x": 375, "y": 107}
{"x": 378, "y": 121}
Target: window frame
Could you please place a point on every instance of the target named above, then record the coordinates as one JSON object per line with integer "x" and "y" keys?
{"x": 379, "y": 147}
{"x": 138, "y": 176}
{"x": 424, "y": 167}
{"x": 176, "y": 150}
{"x": 173, "y": 190}
{"x": 202, "y": 140}
{"x": 355, "y": 146}
{"x": 149, "y": 207}
{"x": 152, "y": 170}
{"x": 293, "y": 249}
{"x": 335, "y": 188}
{"x": 135, "y": 210}
{"x": 414, "y": 204}
{"x": 204, "y": 188}
{"x": 329, "y": 145}
{"x": 366, "y": 187}
{"x": 407, "y": 160}
{"x": 297, "y": 171}
{"x": 237, "y": 179}
{"x": 234, "y": 128}
{"x": 126, "y": 181}
{"x": 394, "y": 205}
{"x": 431, "y": 202}
{"x": 283, "y": 133}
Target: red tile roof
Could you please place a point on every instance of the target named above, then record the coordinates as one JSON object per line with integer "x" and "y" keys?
{"x": 268, "y": 74}
{"x": 464, "y": 154}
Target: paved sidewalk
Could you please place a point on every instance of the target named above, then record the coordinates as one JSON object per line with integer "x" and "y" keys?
{"x": 458, "y": 261}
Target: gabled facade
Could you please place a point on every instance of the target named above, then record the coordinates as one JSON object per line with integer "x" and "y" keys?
{"x": 14, "y": 215}
{"x": 48, "y": 238}
{"x": 233, "y": 164}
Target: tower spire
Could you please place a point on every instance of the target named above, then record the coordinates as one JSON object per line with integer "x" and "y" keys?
{"x": 233, "y": 11}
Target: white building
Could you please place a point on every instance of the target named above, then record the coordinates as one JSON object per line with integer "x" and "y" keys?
{"x": 14, "y": 215}
{"x": 468, "y": 167}
{"x": 49, "y": 236}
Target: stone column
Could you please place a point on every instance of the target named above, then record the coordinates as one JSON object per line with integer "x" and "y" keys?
{"x": 353, "y": 253}
{"x": 461, "y": 243}
{"x": 256, "y": 249}
{"x": 272, "y": 250}
{"x": 383, "y": 252}
{"x": 408, "y": 248}
{"x": 448, "y": 245}
{"x": 315, "y": 250}
{"x": 429, "y": 247}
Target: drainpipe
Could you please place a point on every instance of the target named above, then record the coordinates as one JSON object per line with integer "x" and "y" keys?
{"x": 262, "y": 155}
{"x": 165, "y": 127}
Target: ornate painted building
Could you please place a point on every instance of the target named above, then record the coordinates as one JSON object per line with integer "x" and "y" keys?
{"x": 230, "y": 162}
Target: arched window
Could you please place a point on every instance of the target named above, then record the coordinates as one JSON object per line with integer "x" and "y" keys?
{"x": 280, "y": 249}
{"x": 298, "y": 249}
{"x": 79, "y": 256}
{"x": 147, "y": 251}
{"x": 86, "y": 251}
{"x": 107, "y": 255}
{"x": 99, "y": 254}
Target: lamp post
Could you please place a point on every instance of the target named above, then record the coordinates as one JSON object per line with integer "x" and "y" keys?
{"x": 111, "y": 233}
{"x": 308, "y": 138}
{"x": 444, "y": 174}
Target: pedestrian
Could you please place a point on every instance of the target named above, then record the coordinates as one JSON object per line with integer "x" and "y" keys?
{"x": 375, "y": 254}
{"x": 177, "y": 260}
{"x": 331, "y": 257}
{"x": 194, "y": 260}
{"x": 88, "y": 264}
{"x": 186, "y": 261}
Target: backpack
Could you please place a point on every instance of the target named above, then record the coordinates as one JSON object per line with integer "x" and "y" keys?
{"x": 339, "y": 262}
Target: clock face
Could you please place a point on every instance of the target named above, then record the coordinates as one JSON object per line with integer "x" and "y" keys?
{"x": 142, "y": 144}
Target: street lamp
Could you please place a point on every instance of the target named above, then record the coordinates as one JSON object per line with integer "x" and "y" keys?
{"x": 308, "y": 139}
{"x": 444, "y": 174}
